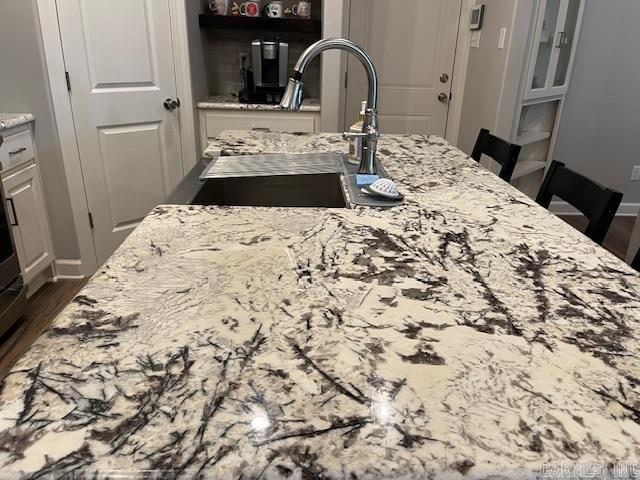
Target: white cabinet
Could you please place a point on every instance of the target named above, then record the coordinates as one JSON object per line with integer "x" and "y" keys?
{"x": 27, "y": 213}
{"x": 553, "y": 49}
{"x": 537, "y": 75}
{"x": 214, "y": 121}
{"x": 25, "y": 204}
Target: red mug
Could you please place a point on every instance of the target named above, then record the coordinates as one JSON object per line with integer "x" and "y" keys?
{"x": 250, "y": 8}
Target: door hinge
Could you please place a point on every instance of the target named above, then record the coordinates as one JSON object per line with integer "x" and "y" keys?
{"x": 68, "y": 78}
{"x": 91, "y": 220}
{"x": 346, "y": 79}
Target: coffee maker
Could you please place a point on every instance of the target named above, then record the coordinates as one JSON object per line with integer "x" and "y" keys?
{"x": 270, "y": 58}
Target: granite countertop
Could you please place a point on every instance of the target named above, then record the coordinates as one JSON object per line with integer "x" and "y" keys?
{"x": 11, "y": 120}
{"x": 230, "y": 102}
{"x": 466, "y": 334}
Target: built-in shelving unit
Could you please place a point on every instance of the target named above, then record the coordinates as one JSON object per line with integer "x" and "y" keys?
{"x": 527, "y": 138}
{"x": 261, "y": 23}
{"x": 528, "y": 166}
{"x": 555, "y": 30}
{"x": 535, "y": 132}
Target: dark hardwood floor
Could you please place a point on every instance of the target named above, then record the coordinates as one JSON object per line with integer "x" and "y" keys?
{"x": 617, "y": 240}
{"x": 45, "y": 305}
{"x": 42, "y": 308}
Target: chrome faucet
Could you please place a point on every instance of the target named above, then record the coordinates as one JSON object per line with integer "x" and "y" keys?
{"x": 292, "y": 98}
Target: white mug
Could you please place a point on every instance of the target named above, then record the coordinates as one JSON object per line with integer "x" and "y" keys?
{"x": 274, "y": 9}
{"x": 219, "y": 7}
{"x": 302, "y": 9}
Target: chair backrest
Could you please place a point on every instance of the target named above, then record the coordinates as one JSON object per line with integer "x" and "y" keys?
{"x": 636, "y": 261}
{"x": 599, "y": 204}
{"x": 503, "y": 152}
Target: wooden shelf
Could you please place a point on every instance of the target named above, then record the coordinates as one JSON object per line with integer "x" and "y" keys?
{"x": 297, "y": 25}
{"x": 527, "y": 138}
{"x": 527, "y": 167}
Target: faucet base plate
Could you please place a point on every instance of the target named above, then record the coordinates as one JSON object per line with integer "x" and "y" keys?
{"x": 356, "y": 197}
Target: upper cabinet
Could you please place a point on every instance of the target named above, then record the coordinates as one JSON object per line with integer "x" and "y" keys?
{"x": 554, "y": 42}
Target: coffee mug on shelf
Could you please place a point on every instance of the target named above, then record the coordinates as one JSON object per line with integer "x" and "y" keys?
{"x": 302, "y": 9}
{"x": 274, "y": 9}
{"x": 250, "y": 8}
{"x": 219, "y": 7}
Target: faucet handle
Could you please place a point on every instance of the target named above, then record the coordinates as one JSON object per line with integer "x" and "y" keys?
{"x": 370, "y": 133}
{"x": 348, "y": 135}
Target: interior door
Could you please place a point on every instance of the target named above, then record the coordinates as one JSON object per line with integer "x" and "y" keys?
{"x": 119, "y": 56}
{"x": 413, "y": 45}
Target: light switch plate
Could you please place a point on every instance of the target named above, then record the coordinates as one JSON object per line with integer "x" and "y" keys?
{"x": 503, "y": 37}
{"x": 635, "y": 173}
{"x": 475, "y": 38}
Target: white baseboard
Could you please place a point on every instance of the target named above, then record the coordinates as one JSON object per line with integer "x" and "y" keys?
{"x": 625, "y": 210}
{"x": 69, "y": 269}
{"x": 40, "y": 281}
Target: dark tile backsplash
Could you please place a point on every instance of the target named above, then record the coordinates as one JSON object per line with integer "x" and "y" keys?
{"x": 222, "y": 49}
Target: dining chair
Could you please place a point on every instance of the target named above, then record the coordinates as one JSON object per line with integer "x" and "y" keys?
{"x": 599, "y": 204}
{"x": 503, "y": 152}
{"x": 635, "y": 263}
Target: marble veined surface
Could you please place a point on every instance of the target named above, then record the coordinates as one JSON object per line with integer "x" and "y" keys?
{"x": 11, "y": 120}
{"x": 466, "y": 334}
{"x": 227, "y": 101}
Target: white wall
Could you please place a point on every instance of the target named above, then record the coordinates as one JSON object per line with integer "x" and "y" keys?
{"x": 486, "y": 71}
{"x": 600, "y": 126}
{"x": 24, "y": 88}
{"x": 199, "y": 86}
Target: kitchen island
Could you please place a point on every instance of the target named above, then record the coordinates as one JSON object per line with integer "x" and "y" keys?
{"x": 467, "y": 333}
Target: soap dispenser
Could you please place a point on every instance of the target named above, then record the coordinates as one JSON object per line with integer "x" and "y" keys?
{"x": 355, "y": 145}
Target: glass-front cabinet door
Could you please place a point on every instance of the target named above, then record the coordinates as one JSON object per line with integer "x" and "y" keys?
{"x": 544, "y": 42}
{"x": 554, "y": 43}
{"x": 566, "y": 43}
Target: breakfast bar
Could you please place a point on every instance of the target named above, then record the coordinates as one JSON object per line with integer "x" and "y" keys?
{"x": 468, "y": 333}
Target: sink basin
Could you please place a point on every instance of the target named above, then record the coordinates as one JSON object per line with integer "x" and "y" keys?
{"x": 274, "y": 190}
{"x": 310, "y": 190}
{"x": 280, "y": 180}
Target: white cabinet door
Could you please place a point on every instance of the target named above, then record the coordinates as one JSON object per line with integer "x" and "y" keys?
{"x": 25, "y": 206}
{"x": 553, "y": 49}
{"x": 119, "y": 55}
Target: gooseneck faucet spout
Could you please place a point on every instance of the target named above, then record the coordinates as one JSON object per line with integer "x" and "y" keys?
{"x": 292, "y": 98}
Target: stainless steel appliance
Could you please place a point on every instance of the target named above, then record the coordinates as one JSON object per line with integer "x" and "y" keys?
{"x": 270, "y": 57}
{"x": 13, "y": 293}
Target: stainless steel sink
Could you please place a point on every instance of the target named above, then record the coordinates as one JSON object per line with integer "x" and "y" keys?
{"x": 282, "y": 180}
{"x": 309, "y": 180}
{"x": 310, "y": 190}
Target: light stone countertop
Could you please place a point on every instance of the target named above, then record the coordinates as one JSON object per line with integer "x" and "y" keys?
{"x": 466, "y": 334}
{"x": 12, "y": 120}
{"x": 230, "y": 102}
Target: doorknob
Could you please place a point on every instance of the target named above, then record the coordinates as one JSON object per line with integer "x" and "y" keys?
{"x": 171, "y": 104}
{"x": 443, "y": 97}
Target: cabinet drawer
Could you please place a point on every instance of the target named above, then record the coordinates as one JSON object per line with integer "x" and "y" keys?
{"x": 216, "y": 123}
{"x": 17, "y": 149}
